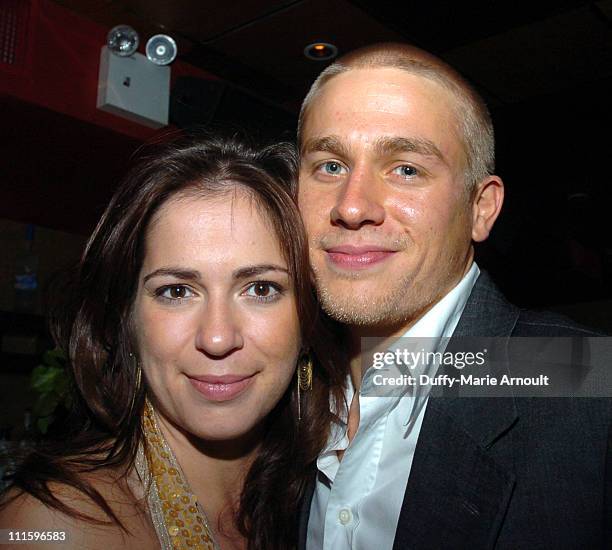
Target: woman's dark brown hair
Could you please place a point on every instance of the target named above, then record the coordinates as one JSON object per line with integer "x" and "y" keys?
{"x": 93, "y": 326}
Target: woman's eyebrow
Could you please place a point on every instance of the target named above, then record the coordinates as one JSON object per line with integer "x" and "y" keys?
{"x": 254, "y": 270}
{"x": 194, "y": 275}
{"x": 178, "y": 272}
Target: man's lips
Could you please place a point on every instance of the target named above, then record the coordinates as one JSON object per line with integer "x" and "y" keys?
{"x": 221, "y": 388}
{"x": 358, "y": 257}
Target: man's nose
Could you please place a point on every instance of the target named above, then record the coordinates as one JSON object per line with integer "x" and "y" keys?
{"x": 219, "y": 332}
{"x": 359, "y": 202}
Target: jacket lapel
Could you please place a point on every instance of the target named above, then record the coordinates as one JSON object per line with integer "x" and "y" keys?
{"x": 459, "y": 486}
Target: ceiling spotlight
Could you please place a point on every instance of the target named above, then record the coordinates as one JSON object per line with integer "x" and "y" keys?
{"x": 161, "y": 49}
{"x": 122, "y": 40}
{"x": 320, "y": 51}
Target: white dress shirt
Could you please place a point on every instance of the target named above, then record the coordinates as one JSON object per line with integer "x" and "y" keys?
{"x": 357, "y": 501}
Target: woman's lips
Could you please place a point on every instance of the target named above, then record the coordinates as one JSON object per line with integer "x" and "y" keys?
{"x": 357, "y": 257}
{"x": 221, "y": 388}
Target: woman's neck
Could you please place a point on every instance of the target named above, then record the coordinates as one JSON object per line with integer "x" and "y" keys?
{"x": 215, "y": 472}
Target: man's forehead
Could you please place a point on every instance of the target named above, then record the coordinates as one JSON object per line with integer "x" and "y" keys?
{"x": 368, "y": 106}
{"x": 385, "y": 92}
{"x": 378, "y": 92}
{"x": 372, "y": 82}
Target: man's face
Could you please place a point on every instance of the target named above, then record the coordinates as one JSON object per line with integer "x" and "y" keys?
{"x": 383, "y": 198}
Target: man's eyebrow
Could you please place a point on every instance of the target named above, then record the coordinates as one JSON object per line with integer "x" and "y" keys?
{"x": 382, "y": 146}
{"x": 326, "y": 144}
{"x": 390, "y": 145}
{"x": 254, "y": 270}
{"x": 178, "y": 272}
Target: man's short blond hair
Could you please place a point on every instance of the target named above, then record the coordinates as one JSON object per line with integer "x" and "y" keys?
{"x": 473, "y": 121}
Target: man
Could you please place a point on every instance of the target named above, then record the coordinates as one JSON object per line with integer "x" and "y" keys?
{"x": 396, "y": 183}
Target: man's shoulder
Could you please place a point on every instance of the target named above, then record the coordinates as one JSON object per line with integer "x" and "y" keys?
{"x": 548, "y": 323}
{"x": 488, "y": 312}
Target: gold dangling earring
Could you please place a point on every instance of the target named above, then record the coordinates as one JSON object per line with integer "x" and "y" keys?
{"x": 304, "y": 379}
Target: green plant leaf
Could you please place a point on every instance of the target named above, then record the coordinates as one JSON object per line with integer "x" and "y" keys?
{"x": 51, "y": 381}
{"x": 43, "y": 424}
{"x": 42, "y": 379}
{"x": 54, "y": 358}
{"x": 62, "y": 385}
{"x": 46, "y": 379}
{"x": 46, "y": 404}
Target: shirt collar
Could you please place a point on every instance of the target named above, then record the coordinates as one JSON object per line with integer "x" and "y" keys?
{"x": 441, "y": 320}
{"x": 435, "y": 328}
{"x": 438, "y": 325}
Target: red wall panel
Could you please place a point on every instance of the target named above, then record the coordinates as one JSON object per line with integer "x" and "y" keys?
{"x": 60, "y": 68}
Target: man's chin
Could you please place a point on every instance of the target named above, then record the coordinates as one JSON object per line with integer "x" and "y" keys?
{"x": 356, "y": 308}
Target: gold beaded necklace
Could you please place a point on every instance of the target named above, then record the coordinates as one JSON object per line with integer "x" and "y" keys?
{"x": 178, "y": 518}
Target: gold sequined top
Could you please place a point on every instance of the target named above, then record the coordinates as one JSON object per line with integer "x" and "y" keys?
{"x": 178, "y": 518}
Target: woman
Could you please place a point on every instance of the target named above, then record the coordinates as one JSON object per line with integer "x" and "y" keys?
{"x": 192, "y": 308}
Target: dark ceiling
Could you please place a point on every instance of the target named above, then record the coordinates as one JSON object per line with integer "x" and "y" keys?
{"x": 512, "y": 50}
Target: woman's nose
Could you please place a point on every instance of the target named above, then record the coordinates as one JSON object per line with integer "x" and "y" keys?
{"x": 219, "y": 332}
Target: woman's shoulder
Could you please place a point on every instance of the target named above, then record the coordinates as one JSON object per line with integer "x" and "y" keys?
{"x": 25, "y": 513}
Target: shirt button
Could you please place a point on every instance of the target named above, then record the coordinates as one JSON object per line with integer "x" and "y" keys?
{"x": 345, "y": 516}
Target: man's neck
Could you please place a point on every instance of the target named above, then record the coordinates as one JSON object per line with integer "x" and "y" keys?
{"x": 385, "y": 333}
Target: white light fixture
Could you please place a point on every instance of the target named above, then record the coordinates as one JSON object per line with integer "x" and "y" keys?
{"x": 134, "y": 88}
{"x": 122, "y": 40}
{"x": 131, "y": 85}
{"x": 161, "y": 49}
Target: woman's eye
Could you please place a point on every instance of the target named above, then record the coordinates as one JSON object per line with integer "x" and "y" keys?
{"x": 174, "y": 293}
{"x": 332, "y": 168}
{"x": 406, "y": 171}
{"x": 263, "y": 291}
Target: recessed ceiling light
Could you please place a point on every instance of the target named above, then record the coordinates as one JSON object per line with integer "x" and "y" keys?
{"x": 320, "y": 51}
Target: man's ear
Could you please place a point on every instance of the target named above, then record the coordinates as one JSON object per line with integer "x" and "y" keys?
{"x": 487, "y": 201}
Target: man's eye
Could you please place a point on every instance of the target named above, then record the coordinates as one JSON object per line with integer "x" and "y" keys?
{"x": 263, "y": 291}
{"x": 332, "y": 168}
{"x": 174, "y": 293}
{"x": 405, "y": 171}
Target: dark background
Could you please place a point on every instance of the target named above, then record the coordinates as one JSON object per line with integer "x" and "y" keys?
{"x": 544, "y": 68}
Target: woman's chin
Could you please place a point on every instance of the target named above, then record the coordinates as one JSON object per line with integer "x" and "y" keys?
{"x": 225, "y": 440}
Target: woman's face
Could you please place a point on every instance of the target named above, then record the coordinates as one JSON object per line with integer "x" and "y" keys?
{"x": 215, "y": 316}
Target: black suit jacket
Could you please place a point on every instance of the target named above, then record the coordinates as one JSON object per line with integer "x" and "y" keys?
{"x": 507, "y": 473}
